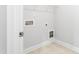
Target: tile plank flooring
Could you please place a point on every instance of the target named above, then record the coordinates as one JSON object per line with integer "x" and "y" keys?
{"x": 52, "y": 48}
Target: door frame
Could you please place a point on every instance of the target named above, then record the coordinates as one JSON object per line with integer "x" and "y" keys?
{"x": 14, "y": 26}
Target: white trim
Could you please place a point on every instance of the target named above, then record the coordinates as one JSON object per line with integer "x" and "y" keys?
{"x": 38, "y": 46}
{"x": 67, "y": 45}
{"x": 14, "y": 26}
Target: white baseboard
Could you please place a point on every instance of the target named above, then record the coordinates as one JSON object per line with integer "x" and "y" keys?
{"x": 38, "y": 46}
{"x": 69, "y": 46}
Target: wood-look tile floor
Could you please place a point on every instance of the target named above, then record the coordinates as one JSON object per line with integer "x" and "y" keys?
{"x": 53, "y": 48}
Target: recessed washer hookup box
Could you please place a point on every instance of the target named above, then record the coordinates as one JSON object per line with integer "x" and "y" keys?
{"x": 28, "y": 22}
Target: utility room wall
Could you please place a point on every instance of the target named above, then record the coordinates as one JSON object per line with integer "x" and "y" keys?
{"x": 38, "y": 32}
{"x": 67, "y": 24}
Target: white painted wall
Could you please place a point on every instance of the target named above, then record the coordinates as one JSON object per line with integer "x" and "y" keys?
{"x": 76, "y": 26}
{"x": 37, "y": 33}
{"x": 64, "y": 23}
{"x": 3, "y": 37}
{"x": 67, "y": 24}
